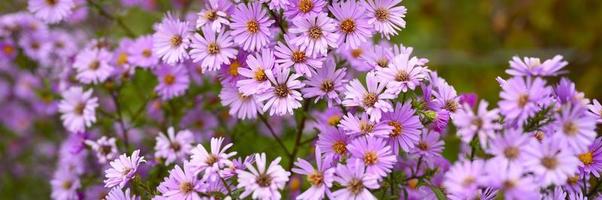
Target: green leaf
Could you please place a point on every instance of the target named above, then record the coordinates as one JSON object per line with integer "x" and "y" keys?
{"x": 438, "y": 193}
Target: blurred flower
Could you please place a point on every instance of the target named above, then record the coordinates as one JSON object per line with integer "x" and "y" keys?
{"x": 241, "y": 106}
{"x": 141, "y": 52}
{"x": 522, "y": 98}
{"x": 51, "y": 11}
{"x": 173, "y": 146}
{"x": 93, "y": 65}
{"x": 78, "y": 109}
{"x": 483, "y": 123}
{"x": 575, "y": 130}
{"x": 464, "y": 178}
{"x": 118, "y": 194}
{"x": 551, "y": 163}
{"x": 214, "y": 14}
{"x": 530, "y": 66}
{"x": 173, "y": 81}
{"x": 105, "y": 148}
{"x": 508, "y": 149}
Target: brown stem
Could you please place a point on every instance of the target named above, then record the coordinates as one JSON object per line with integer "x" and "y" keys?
{"x": 300, "y": 128}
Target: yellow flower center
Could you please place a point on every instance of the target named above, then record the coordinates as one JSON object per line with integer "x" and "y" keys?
{"x": 212, "y": 48}
{"x": 252, "y": 26}
{"x": 397, "y": 129}
{"x": 260, "y": 75}
{"x": 381, "y": 14}
{"x": 549, "y": 162}
{"x": 298, "y": 57}
{"x": 315, "y": 33}
{"x": 370, "y": 99}
{"x": 327, "y": 86}
{"x": 586, "y": 158}
{"x": 306, "y": 5}
{"x": 347, "y": 26}
{"x": 176, "y": 41}
{"x": 122, "y": 58}
{"x": 315, "y": 178}
{"x": 370, "y": 158}
{"x": 186, "y": 187}
{"x": 334, "y": 120}
{"x": 169, "y": 79}
{"x": 339, "y": 147}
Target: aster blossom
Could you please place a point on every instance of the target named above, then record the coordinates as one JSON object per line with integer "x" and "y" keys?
{"x": 181, "y": 184}
{"x": 509, "y": 148}
{"x": 375, "y": 154}
{"x": 173, "y": 81}
{"x": 105, "y": 148}
{"x": 93, "y": 66}
{"x": 327, "y": 84}
{"x": 241, "y": 106}
{"x": 315, "y": 34}
{"x": 353, "y": 26}
{"x": 530, "y": 66}
{"x": 214, "y": 15}
{"x": 118, "y": 194}
{"x": 212, "y": 50}
{"x": 482, "y": 123}
{"x": 522, "y": 98}
{"x": 254, "y": 79}
{"x": 362, "y": 126}
{"x": 78, "y": 109}
{"x": 575, "y": 129}
{"x": 250, "y": 26}
{"x": 406, "y": 127}
{"x": 123, "y": 169}
{"x": 374, "y": 100}
{"x": 283, "y": 96}
{"x": 356, "y": 182}
{"x": 304, "y": 8}
{"x": 321, "y": 177}
{"x": 550, "y": 163}
{"x": 595, "y": 110}
{"x": 291, "y": 55}
{"x": 386, "y": 16}
{"x": 173, "y": 146}
{"x": 261, "y": 182}
{"x": 51, "y": 11}
{"x": 211, "y": 162}
{"x": 171, "y": 39}
{"x": 403, "y": 72}
{"x": 462, "y": 180}
{"x": 591, "y": 160}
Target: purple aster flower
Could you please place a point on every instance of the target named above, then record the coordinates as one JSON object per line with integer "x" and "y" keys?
{"x": 328, "y": 83}
{"x": 262, "y": 182}
{"x": 51, "y": 11}
{"x": 378, "y": 55}
{"x": 565, "y": 93}
{"x": 65, "y": 185}
{"x": 386, "y": 16}
{"x": 36, "y": 46}
{"x": 123, "y": 67}
{"x": 375, "y": 154}
{"x": 374, "y": 101}
{"x": 468, "y": 98}
{"x": 320, "y": 178}
{"x": 315, "y": 34}
{"x": 173, "y": 146}
{"x": 557, "y": 193}
{"x": 93, "y": 66}
{"x": 530, "y": 66}
{"x": 304, "y": 8}
{"x": 237, "y": 164}
{"x": 78, "y": 109}
{"x": 576, "y": 183}
{"x": 241, "y": 106}
{"x": 211, "y": 49}
{"x": 200, "y": 122}
{"x": 355, "y": 182}
{"x": 362, "y": 126}
{"x": 283, "y": 96}
{"x": 355, "y": 57}
{"x": 229, "y": 72}
{"x": 255, "y": 78}
{"x": 522, "y": 98}
{"x": 575, "y": 130}
{"x": 333, "y": 142}
{"x": 141, "y": 52}
{"x": 211, "y": 162}
{"x": 512, "y": 181}
{"x": 464, "y": 177}
{"x": 276, "y": 4}
{"x": 171, "y": 39}
{"x": 352, "y": 24}
{"x": 173, "y": 81}
{"x": 481, "y": 123}
{"x": 118, "y": 194}
{"x": 591, "y": 160}
{"x": 330, "y": 117}
{"x": 406, "y": 127}
{"x": 446, "y": 98}
{"x": 509, "y": 148}
{"x": 214, "y": 15}
{"x": 291, "y": 55}
{"x": 181, "y": 184}
{"x": 123, "y": 169}
{"x": 550, "y": 163}
{"x": 8, "y": 50}
{"x": 250, "y": 26}
{"x": 596, "y": 110}
{"x": 429, "y": 147}
{"x": 403, "y": 73}
{"x": 105, "y": 148}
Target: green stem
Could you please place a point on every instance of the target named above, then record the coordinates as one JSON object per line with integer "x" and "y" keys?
{"x": 111, "y": 17}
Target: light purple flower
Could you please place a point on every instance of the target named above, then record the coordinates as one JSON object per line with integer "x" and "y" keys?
{"x": 141, "y": 52}
{"x": 333, "y": 142}
{"x": 51, "y": 11}
{"x": 173, "y": 81}
{"x": 429, "y": 147}
{"x": 482, "y": 123}
{"x": 512, "y": 180}
{"x": 123, "y": 169}
{"x": 173, "y": 146}
{"x": 304, "y": 8}
{"x": 211, "y": 162}
{"x": 78, "y": 109}
{"x": 403, "y": 72}
{"x": 355, "y": 182}
{"x": 241, "y": 106}
{"x": 327, "y": 84}
{"x": 508, "y": 149}
{"x": 105, "y": 148}
{"x": 361, "y": 126}
{"x": 352, "y": 22}
{"x": 565, "y": 93}
{"x": 283, "y": 96}
{"x": 93, "y": 66}
{"x": 255, "y": 78}
{"x": 212, "y": 49}
{"x": 290, "y": 54}
{"x": 171, "y": 39}
{"x": 263, "y": 183}
{"x": 522, "y": 98}
{"x": 250, "y": 26}
{"x": 531, "y": 66}
{"x": 315, "y": 34}
{"x": 595, "y": 110}
{"x": 406, "y": 127}
{"x": 374, "y": 101}
{"x": 214, "y": 14}
{"x": 118, "y": 194}
{"x": 550, "y": 163}
{"x": 320, "y": 178}
{"x": 181, "y": 184}
{"x": 386, "y": 16}
{"x": 464, "y": 177}
{"x": 375, "y": 154}
{"x": 575, "y": 130}
{"x": 591, "y": 160}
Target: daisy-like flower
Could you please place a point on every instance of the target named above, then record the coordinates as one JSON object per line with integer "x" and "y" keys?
{"x": 522, "y": 98}
{"x": 429, "y": 147}
{"x": 241, "y": 106}
{"x": 255, "y": 78}
{"x": 118, "y": 194}
{"x": 356, "y": 182}
{"x": 327, "y": 84}
{"x": 171, "y": 39}
{"x": 591, "y": 160}
{"x": 141, "y": 52}
{"x": 596, "y": 110}
{"x": 364, "y": 127}
{"x": 173, "y": 146}
{"x": 321, "y": 178}
{"x": 51, "y": 11}
{"x": 283, "y": 96}
{"x": 575, "y": 129}
{"x": 181, "y": 184}
{"x": 214, "y": 15}
{"x": 509, "y": 148}
{"x": 551, "y": 163}
{"x": 291, "y": 55}
{"x": 173, "y": 81}
{"x": 333, "y": 142}
{"x": 78, "y": 109}
{"x": 93, "y": 66}
{"x": 105, "y": 148}
{"x": 481, "y": 123}
{"x": 378, "y": 55}
{"x": 406, "y": 127}
{"x": 352, "y": 24}
{"x": 464, "y": 177}
{"x": 386, "y": 16}
{"x": 374, "y": 101}
{"x": 530, "y": 66}
{"x": 304, "y": 8}
{"x": 123, "y": 169}
{"x": 403, "y": 72}
{"x": 375, "y": 154}
{"x": 212, "y": 49}
{"x": 250, "y": 26}
{"x": 263, "y": 183}
{"x": 211, "y": 162}
{"x": 315, "y": 34}
{"x": 566, "y": 93}
{"x": 446, "y": 98}
{"x": 64, "y": 184}
{"x": 511, "y": 180}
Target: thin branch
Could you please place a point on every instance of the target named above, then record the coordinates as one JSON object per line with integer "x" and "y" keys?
{"x": 120, "y": 121}
{"x": 300, "y": 128}
{"x": 111, "y": 17}
{"x": 265, "y": 121}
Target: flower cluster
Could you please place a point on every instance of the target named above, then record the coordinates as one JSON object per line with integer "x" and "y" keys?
{"x": 300, "y": 72}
